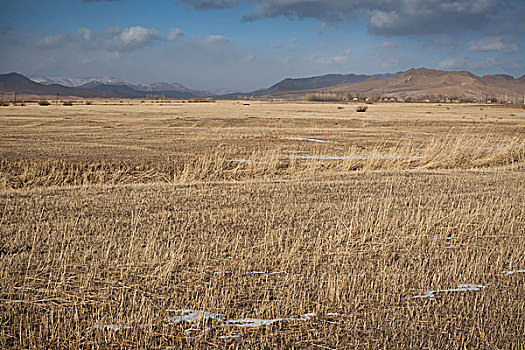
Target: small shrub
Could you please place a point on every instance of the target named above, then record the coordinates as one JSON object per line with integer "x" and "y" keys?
{"x": 68, "y": 103}
{"x": 44, "y": 103}
{"x": 4, "y": 104}
{"x": 88, "y": 103}
{"x": 361, "y": 108}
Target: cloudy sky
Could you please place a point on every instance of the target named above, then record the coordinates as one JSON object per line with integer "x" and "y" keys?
{"x": 248, "y": 44}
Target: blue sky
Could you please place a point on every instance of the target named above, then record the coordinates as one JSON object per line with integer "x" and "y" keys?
{"x": 249, "y": 44}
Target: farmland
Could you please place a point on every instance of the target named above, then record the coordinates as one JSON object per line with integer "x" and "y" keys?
{"x": 258, "y": 224}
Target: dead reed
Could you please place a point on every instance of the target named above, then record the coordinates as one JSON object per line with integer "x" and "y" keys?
{"x": 260, "y": 233}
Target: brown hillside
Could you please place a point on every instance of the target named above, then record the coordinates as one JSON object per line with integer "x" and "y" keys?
{"x": 422, "y": 81}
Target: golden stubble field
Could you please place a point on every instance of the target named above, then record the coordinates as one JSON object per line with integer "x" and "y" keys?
{"x": 262, "y": 225}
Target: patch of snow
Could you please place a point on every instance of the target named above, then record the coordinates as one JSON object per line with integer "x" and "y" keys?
{"x": 240, "y": 161}
{"x": 231, "y": 336}
{"x": 418, "y": 156}
{"x": 191, "y": 331}
{"x": 259, "y": 322}
{"x": 308, "y": 316}
{"x": 431, "y": 294}
{"x": 306, "y": 139}
{"x": 250, "y": 272}
{"x": 513, "y": 272}
{"x": 318, "y": 158}
{"x": 188, "y": 315}
{"x": 298, "y": 152}
{"x": 196, "y": 316}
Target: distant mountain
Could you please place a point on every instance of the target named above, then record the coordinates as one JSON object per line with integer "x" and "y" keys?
{"x": 93, "y": 87}
{"x": 159, "y": 87}
{"x": 14, "y": 82}
{"x": 175, "y": 90}
{"x": 416, "y": 82}
{"x": 122, "y": 90}
{"x": 223, "y": 91}
{"x": 75, "y": 81}
{"x": 419, "y": 82}
{"x": 317, "y": 82}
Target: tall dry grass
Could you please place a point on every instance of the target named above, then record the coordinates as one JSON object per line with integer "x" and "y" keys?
{"x": 442, "y": 152}
{"x": 109, "y": 226}
{"x": 352, "y": 249}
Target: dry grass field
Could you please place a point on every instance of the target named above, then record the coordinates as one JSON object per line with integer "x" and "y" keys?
{"x": 262, "y": 225}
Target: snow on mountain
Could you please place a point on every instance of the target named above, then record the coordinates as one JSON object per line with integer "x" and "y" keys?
{"x": 76, "y": 81}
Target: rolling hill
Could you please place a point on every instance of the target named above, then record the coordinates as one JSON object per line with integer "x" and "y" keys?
{"x": 420, "y": 82}
{"x": 291, "y": 84}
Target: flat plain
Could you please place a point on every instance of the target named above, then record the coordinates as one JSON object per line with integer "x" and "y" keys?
{"x": 260, "y": 224}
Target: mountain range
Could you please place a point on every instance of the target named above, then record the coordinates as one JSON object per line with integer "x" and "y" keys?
{"x": 108, "y": 85}
{"x": 421, "y": 82}
{"x": 411, "y": 83}
{"x": 322, "y": 81}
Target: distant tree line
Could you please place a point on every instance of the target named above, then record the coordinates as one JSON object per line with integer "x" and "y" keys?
{"x": 349, "y": 97}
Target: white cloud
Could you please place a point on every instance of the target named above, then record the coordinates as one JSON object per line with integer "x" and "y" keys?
{"x": 174, "y": 33}
{"x": 248, "y": 58}
{"x": 387, "y": 44}
{"x": 492, "y": 43}
{"x": 137, "y": 36}
{"x": 382, "y": 21}
{"x": 111, "y": 39}
{"x": 85, "y": 33}
{"x": 454, "y": 63}
{"x": 488, "y": 64}
{"x": 334, "y": 60}
{"x": 53, "y": 41}
{"x": 340, "y": 59}
{"x": 466, "y": 63}
{"x": 116, "y": 39}
{"x": 216, "y": 39}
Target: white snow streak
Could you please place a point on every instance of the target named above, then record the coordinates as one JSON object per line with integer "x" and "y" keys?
{"x": 431, "y": 294}
{"x": 306, "y": 139}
